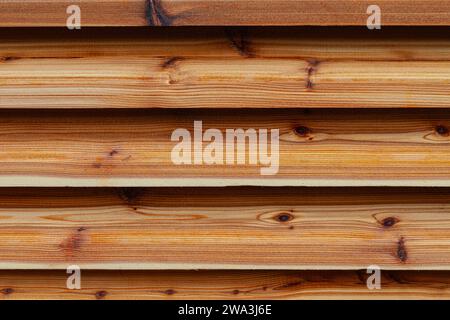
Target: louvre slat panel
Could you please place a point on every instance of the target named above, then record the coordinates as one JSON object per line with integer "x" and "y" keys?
{"x": 174, "y": 285}
{"x": 135, "y": 148}
{"x": 225, "y": 228}
{"x": 224, "y": 68}
{"x": 223, "y": 12}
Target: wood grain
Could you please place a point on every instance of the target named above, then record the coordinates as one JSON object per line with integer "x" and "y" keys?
{"x": 223, "y": 12}
{"x": 133, "y": 148}
{"x": 225, "y": 228}
{"x": 225, "y": 68}
{"x": 236, "y": 285}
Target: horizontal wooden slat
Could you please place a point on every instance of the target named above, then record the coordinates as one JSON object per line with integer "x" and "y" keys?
{"x": 225, "y": 228}
{"x": 223, "y": 12}
{"x": 231, "y": 68}
{"x": 316, "y": 148}
{"x": 206, "y": 285}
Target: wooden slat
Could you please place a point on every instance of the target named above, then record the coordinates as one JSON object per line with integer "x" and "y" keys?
{"x": 225, "y": 228}
{"x": 223, "y": 12}
{"x": 204, "y": 285}
{"x": 316, "y": 148}
{"x": 232, "y": 68}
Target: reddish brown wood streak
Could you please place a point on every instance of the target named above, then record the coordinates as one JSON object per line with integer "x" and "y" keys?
{"x": 72, "y": 244}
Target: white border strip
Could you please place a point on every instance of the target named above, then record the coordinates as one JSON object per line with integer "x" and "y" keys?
{"x": 205, "y": 266}
{"x": 41, "y": 181}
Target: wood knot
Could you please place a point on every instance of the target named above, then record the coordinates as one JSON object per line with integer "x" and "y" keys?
{"x": 7, "y": 58}
{"x": 284, "y": 217}
{"x": 302, "y": 131}
{"x": 401, "y": 250}
{"x": 311, "y": 70}
{"x": 156, "y": 15}
{"x": 7, "y": 291}
{"x": 389, "y": 222}
{"x": 240, "y": 41}
{"x": 113, "y": 152}
{"x": 442, "y": 130}
{"x": 100, "y": 294}
{"x": 170, "y": 62}
{"x": 235, "y": 292}
{"x": 170, "y": 292}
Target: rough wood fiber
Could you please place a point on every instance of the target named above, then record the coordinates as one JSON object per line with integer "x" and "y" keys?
{"x": 98, "y": 285}
{"x": 231, "y": 68}
{"x": 223, "y": 12}
{"x": 133, "y": 148}
{"x": 225, "y": 228}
